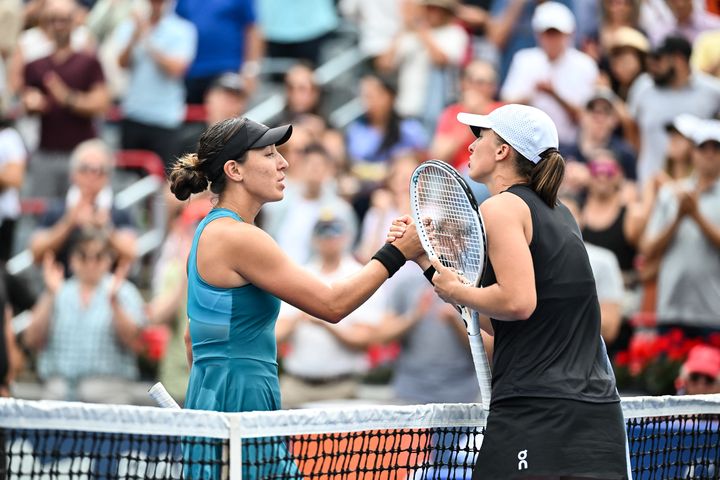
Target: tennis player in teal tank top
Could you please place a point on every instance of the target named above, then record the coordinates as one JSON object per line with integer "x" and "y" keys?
{"x": 237, "y": 276}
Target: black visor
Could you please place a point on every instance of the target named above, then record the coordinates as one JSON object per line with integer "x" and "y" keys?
{"x": 251, "y": 135}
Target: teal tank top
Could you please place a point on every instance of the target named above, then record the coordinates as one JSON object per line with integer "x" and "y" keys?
{"x": 234, "y": 365}
{"x": 234, "y": 323}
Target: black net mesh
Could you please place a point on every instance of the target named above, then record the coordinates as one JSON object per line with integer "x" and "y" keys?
{"x": 663, "y": 445}
{"x": 67, "y": 454}
{"x": 436, "y": 453}
{"x": 671, "y": 447}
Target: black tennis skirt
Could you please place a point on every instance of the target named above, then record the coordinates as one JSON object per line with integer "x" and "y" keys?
{"x": 531, "y": 437}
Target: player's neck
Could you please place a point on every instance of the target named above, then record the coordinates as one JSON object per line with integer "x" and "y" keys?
{"x": 245, "y": 210}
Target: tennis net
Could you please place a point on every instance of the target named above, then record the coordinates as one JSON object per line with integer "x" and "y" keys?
{"x": 670, "y": 438}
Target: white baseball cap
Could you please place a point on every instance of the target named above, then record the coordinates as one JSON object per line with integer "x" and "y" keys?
{"x": 553, "y": 15}
{"x": 685, "y": 124}
{"x": 527, "y": 129}
{"x": 706, "y": 131}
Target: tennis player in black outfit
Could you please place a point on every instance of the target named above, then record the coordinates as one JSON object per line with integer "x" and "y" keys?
{"x": 555, "y": 411}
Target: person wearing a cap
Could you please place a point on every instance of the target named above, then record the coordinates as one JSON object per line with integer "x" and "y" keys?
{"x": 683, "y": 235}
{"x": 227, "y": 97}
{"x": 700, "y": 374}
{"x": 308, "y": 376}
{"x": 540, "y": 294}
{"x": 670, "y": 89}
{"x": 554, "y": 76}
{"x": 627, "y": 51}
{"x": 237, "y": 274}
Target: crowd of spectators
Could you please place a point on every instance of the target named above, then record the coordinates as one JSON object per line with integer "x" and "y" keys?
{"x": 632, "y": 85}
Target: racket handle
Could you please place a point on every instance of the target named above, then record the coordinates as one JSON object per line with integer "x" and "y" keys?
{"x": 162, "y": 397}
{"x": 480, "y": 360}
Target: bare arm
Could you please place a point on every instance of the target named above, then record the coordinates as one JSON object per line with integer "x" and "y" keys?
{"x": 285, "y": 326}
{"x": 655, "y": 246}
{"x": 163, "y": 309}
{"x": 265, "y": 265}
{"x": 124, "y": 242}
{"x": 127, "y": 330}
{"x": 354, "y": 337}
{"x": 188, "y": 346}
{"x": 437, "y": 55}
{"x": 51, "y": 239}
{"x": 610, "y": 320}
{"x": 499, "y": 30}
{"x": 254, "y": 51}
{"x": 12, "y": 175}
{"x": 92, "y": 103}
{"x": 36, "y": 334}
{"x": 172, "y": 66}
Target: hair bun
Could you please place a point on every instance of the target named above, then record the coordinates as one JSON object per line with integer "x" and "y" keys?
{"x": 186, "y": 177}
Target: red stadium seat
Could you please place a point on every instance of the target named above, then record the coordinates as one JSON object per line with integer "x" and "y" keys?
{"x": 144, "y": 160}
{"x": 195, "y": 113}
{"x": 35, "y": 206}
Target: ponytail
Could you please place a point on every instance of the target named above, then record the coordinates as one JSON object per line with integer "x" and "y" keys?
{"x": 545, "y": 177}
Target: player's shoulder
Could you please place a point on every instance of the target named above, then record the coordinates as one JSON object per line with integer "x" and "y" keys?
{"x": 503, "y": 204}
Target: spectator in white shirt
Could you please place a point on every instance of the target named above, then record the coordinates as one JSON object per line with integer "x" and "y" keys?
{"x": 325, "y": 360}
{"x": 554, "y": 76}
{"x": 432, "y": 42}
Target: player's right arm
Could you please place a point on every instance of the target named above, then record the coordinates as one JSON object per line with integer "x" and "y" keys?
{"x": 257, "y": 259}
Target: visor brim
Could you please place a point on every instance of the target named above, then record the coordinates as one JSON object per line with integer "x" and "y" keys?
{"x": 274, "y": 136}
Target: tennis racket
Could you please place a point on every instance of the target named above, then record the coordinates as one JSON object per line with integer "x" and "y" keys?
{"x": 451, "y": 230}
{"x": 162, "y": 397}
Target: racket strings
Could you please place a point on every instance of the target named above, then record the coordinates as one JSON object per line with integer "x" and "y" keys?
{"x": 449, "y": 222}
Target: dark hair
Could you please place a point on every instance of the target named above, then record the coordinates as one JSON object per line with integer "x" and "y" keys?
{"x": 545, "y": 177}
{"x": 190, "y": 173}
{"x": 318, "y": 149}
{"x": 392, "y": 133}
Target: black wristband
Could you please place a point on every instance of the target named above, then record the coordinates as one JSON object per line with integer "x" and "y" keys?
{"x": 429, "y": 274}
{"x": 391, "y": 258}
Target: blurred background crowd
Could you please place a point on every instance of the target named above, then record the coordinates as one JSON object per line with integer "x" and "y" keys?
{"x": 97, "y": 98}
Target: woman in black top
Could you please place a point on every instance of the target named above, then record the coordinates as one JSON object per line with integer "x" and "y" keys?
{"x": 555, "y": 411}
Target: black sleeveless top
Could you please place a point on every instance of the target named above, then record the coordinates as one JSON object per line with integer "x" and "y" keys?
{"x": 558, "y": 351}
{"x": 613, "y": 238}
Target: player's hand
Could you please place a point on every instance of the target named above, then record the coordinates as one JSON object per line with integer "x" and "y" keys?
{"x": 409, "y": 243}
{"x": 398, "y": 228}
{"x": 447, "y": 282}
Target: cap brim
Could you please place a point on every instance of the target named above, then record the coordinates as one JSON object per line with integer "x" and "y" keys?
{"x": 474, "y": 121}
{"x": 274, "y": 136}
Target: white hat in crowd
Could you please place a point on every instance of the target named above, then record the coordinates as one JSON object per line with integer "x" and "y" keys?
{"x": 527, "y": 129}
{"x": 553, "y": 15}
{"x": 706, "y": 131}
{"x": 685, "y": 124}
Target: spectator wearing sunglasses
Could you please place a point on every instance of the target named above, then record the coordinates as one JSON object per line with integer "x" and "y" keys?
{"x": 700, "y": 374}
{"x": 607, "y": 215}
{"x": 86, "y": 328}
{"x": 89, "y": 202}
